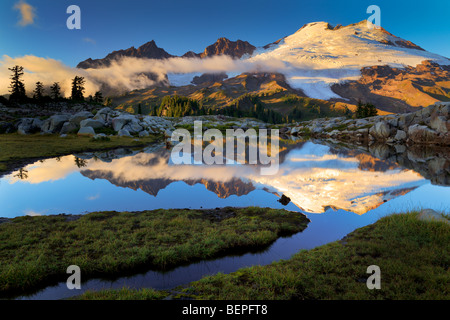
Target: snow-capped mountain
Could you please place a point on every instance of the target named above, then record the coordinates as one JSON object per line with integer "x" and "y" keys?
{"x": 342, "y": 64}
{"x": 319, "y": 55}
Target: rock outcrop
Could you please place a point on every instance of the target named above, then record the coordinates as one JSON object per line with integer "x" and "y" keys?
{"x": 85, "y": 123}
{"x": 428, "y": 126}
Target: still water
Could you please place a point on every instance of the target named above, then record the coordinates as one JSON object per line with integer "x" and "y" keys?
{"x": 339, "y": 190}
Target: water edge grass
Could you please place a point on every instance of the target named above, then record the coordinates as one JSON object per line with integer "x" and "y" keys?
{"x": 36, "y": 251}
{"x": 413, "y": 256}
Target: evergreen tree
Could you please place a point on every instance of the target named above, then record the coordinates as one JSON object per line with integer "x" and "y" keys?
{"x": 78, "y": 88}
{"x": 98, "y": 97}
{"x": 55, "y": 91}
{"x": 38, "y": 91}
{"x": 17, "y": 87}
{"x": 365, "y": 110}
{"x": 360, "y": 112}
{"x": 371, "y": 110}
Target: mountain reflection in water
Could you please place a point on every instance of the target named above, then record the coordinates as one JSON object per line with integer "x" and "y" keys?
{"x": 314, "y": 176}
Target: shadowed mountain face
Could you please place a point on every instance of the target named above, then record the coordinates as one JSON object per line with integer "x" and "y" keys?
{"x": 223, "y": 46}
{"x": 149, "y": 51}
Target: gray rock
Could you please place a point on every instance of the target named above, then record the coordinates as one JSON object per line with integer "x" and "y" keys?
{"x": 104, "y": 114}
{"x": 55, "y": 123}
{"x": 405, "y": 120}
{"x": 380, "y": 130}
{"x": 69, "y": 127}
{"x": 317, "y": 129}
{"x": 105, "y": 110}
{"x": 96, "y": 124}
{"x": 431, "y": 215}
{"x": 80, "y": 116}
{"x": 363, "y": 131}
{"x": 393, "y": 122}
{"x": 122, "y": 120}
{"x": 421, "y": 134}
{"x": 440, "y": 124}
{"x": 29, "y": 125}
{"x": 144, "y": 133}
{"x": 400, "y": 136}
{"x": 361, "y": 122}
{"x": 124, "y": 133}
{"x": 86, "y": 131}
{"x": 134, "y": 127}
{"x": 444, "y": 109}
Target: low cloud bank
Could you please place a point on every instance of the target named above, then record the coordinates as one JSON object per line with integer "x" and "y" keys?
{"x": 126, "y": 74}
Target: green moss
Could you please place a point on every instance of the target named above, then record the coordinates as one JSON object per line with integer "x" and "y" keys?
{"x": 413, "y": 257}
{"x": 37, "y": 250}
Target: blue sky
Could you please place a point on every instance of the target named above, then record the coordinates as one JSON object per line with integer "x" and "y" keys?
{"x": 179, "y": 25}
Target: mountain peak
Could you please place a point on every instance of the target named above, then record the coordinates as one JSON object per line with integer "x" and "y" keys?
{"x": 148, "y": 50}
{"x": 364, "y": 30}
{"x": 224, "y": 46}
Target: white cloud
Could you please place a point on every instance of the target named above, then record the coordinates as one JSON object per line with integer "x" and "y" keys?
{"x": 123, "y": 75}
{"x": 89, "y": 40}
{"x": 92, "y": 198}
{"x": 27, "y": 13}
